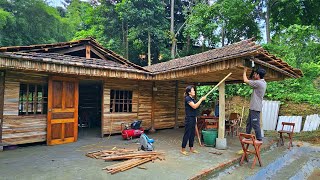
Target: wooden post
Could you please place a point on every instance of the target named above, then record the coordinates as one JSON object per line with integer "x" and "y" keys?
{"x": 152, "y": 107}
{"x": 176, "y": 105}
{"x": 88, "y": 52}
{"x": 2, "y": 79}
{"x": 102, "y": 108}
{"x": 261, "y": 125}
{"x": 221, "y": 110}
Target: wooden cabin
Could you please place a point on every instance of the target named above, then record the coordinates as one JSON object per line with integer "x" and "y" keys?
{"x": 49, "y": 91}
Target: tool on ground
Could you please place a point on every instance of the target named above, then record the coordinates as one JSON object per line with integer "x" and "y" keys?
{"x": 135, "y": 130}
{"x": 216, "y": 86}
{"x": 146, "y": 143}
{"x": 217, "y": 153}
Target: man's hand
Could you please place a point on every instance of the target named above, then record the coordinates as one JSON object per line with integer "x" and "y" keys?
{"x": 245, "y": 79}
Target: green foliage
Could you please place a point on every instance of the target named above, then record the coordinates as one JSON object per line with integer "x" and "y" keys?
{"x": 285, "y": 13}
{"x": 229, "y": 20}
{"x": 31, "y": 22}
{"x": 294, "y": 26}
{"x": 5, "y": 17}
{"x": 297, "y": 90}
{"x": 297, "y": 44}
{"x": 143, "y": 17}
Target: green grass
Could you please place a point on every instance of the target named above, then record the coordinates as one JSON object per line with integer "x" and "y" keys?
{"x": 312, "y": 137}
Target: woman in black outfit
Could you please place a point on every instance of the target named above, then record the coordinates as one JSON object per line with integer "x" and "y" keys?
{"x": 190, "y": 120}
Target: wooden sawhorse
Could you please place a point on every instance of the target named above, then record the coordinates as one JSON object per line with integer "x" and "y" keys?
{"x": 246, "y": 140}
{"x": 290, "y": 133}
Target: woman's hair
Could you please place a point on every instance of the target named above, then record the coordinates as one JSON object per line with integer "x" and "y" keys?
{"x": 188, "y": 90}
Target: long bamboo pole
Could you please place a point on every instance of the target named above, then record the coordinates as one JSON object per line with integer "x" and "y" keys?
{"x": 216, "y": 86}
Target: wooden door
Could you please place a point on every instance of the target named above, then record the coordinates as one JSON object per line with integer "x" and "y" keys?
{"x": 62, "y": 118}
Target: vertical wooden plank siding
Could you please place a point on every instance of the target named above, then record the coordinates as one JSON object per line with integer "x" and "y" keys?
{"x": 164, "y": 111}
{"x": 164, "y": 106}
{"x": 145, "y": 100}
{"x": 181, "y": 109}
{"x": 112, "y": 120}
{"x": 153, "y": 94}
{"x": 102, "y": 109}
{"x": 176, "y": 96}
{"x": 2, "y": 76}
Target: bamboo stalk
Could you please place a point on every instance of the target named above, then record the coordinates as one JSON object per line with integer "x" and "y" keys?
{"x": 216, "y": 86}
{"x": 118, "y": 164}
{"x": 136, "y": 164}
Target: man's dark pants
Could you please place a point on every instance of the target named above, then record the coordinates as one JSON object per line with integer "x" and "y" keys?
{"x": 253, "y": 121}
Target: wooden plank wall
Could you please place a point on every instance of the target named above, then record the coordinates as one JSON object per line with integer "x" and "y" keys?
{"x": 2, "y": 74}
{"x": 112, "y": 121}
{"x": 164, "y": 112}
{"x": 145, "y": 103}
{"x": 181, "y": 110}
{"x": 21, "y": 129}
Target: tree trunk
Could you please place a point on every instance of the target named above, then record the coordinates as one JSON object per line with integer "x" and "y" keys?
{"x": 127, "y": 42}
{"x": 222, "y": 35}
{"x": 188, "y": 44}
{"x": 268, "y": 21}
{"x": 123, "y": 39}
{"x": 149, "y": 49}
{"x": 173, "y": 38}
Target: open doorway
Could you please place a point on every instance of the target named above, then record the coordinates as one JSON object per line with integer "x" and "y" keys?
{"x": 90, "y": 99}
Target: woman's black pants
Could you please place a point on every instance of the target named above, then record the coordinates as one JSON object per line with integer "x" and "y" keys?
{"x": 189, "y": 132}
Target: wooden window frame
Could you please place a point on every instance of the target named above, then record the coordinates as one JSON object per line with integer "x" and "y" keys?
{"x": 33, "y": 99}
{"x": 121, "y": 101}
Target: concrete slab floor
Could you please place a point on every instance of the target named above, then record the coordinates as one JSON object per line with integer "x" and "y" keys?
{"x": 69, "y": 161}
{"x": 278, "y": 163}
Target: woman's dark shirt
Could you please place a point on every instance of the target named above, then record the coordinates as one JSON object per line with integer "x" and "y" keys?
{"x": 189, "y": 110}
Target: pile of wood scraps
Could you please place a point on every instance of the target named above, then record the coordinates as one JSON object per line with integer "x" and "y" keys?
{"x": 133, "y": 158}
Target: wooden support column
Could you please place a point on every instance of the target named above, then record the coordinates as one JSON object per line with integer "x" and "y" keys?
{"x": 221, "y": 141}
{"x": 102, "y": 108}
{"x": 1, "y": 105}
{"x": 153, "y": 107}
{"x": 88, "y": 52}
{"x": 176, "y": 105}
{"x": 221, "y": 110}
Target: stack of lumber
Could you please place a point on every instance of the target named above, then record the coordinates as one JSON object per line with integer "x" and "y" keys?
{"x": 133, "y": 158}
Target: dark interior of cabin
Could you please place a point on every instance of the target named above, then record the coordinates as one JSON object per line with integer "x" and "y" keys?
{"x": 90, "y": 98}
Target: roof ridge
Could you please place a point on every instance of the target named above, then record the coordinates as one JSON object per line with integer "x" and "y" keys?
{"x": 88, "y": 39}
{"x": 212, "y": 50}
